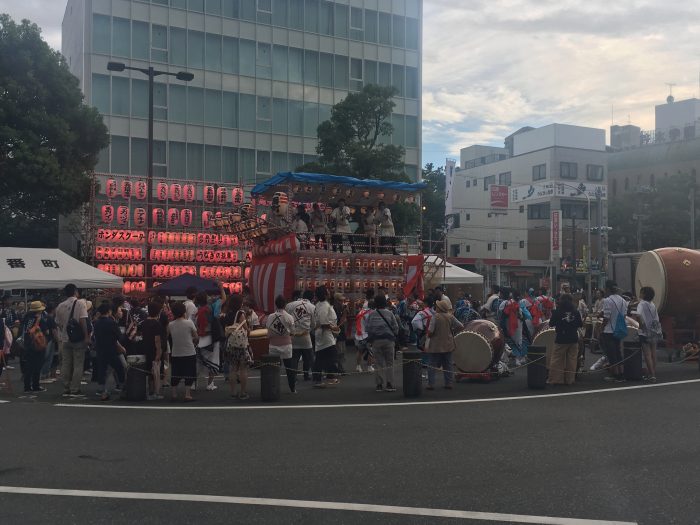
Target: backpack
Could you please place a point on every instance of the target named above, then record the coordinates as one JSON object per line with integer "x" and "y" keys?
{"x": 619, "y": 326}
{"x": 37, "y": 337}
{"x": 238, "y": 338}
{"x": 73, "y": 328}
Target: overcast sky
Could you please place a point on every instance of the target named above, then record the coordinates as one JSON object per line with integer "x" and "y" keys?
{"x": 493, "y": 66}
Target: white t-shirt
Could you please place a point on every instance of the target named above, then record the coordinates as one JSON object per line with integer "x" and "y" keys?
{"x": 182, "y": 331}
{"x": 342, "y": 223}
{"x": 386, "y": 225}
{"x": 280, "y": 326}
{"x": 612, "y": 305}
{"x": 302, "y": 311}
{"x": 63, "y": 315}
{"x": 190, "y": 310}
{"x": 324, "y": 315}
{"x": 646, "y": 310}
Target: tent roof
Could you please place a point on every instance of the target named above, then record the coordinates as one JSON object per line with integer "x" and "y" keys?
{"x": 180, "y": 284}
{"x": 39, "y": 268}
{"x": 454, "y": 274}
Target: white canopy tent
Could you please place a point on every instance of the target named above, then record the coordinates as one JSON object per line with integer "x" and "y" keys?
{"x": 452, "y": 274}
{"x": 45, "y": 268}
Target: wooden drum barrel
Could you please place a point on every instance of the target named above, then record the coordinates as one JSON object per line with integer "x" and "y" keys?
{"x": 479, "y": 347}
{"x": 259, "y": 343}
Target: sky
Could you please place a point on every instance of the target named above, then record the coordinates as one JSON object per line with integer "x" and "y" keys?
{"x": 493, "y": 66}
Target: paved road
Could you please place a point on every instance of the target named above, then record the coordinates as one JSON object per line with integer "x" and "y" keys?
{"x": 627, "y": 455}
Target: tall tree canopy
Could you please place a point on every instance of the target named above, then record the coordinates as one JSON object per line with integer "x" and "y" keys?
{"x": 433, "y": 199}
{"x": 49, "y": 140}
{"x": 350, "y": 143}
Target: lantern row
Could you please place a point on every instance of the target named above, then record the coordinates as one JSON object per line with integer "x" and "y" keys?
{"x": 174, "y": 192}
{"x": 350, "y": 286}
{"x": 109, "y": 236}
{"x": 350, "y": 265}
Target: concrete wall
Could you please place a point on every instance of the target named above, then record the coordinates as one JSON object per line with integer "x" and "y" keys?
{"x": 559, "y": 135}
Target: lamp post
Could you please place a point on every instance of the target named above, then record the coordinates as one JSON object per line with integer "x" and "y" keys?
{"x": 582, "y": 191}
{"x": 151, "y": 73}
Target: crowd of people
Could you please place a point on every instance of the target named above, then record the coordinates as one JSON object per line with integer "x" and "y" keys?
{"x": 194, "y": 340}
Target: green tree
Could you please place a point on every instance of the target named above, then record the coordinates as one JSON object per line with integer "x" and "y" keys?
{"x": 49, "y": 140}
{"x": 350, "y": 144}
{"x": 433, "y": 199}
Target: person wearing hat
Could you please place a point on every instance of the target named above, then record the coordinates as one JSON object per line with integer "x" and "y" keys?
{"x": 441, "y": 330}
{"x": 36, "y": 330}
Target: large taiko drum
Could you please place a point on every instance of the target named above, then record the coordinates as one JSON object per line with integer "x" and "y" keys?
{"x": 545, "y": 337}
{"x": 259, "y": 343}
{"x": 479, "y": 347}
{"x": 673, "y": 274}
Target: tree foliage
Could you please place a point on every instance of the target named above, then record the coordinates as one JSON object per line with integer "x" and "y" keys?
{"x": 49, "y": 140}
{"x": 433, "y": 199}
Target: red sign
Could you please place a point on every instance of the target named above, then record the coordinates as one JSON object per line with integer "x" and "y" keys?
{"x": 499, "y": 196}
{"x": 556, "y": 233}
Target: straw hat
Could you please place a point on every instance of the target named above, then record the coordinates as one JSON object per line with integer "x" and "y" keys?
{"x": 442, "y": 306}
{"x": 339, "y": 296}
{"x": 36, "y": 306}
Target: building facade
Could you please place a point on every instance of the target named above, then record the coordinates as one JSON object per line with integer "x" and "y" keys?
{"x": 506, "y": 233}
{"x": 266, "y": 73}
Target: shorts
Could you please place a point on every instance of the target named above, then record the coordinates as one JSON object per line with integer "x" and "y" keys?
{"x": 612, "y": 348}
{"x": 184, "y": 368}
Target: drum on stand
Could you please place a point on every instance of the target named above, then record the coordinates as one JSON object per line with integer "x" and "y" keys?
{"x": 479, "y": 347}
{"x": 259, "y": 343}
{"x": 545, "y": 337}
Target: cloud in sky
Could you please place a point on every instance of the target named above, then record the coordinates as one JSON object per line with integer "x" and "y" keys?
{"x": 493, "y": 66}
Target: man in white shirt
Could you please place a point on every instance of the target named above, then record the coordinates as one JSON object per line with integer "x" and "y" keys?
{"x": 72, "y": 352}
{"x": 302, "y": 310}
{"x": 613, "y": 306}
{"x": 341, "y": 218}
{"x": 387, "y": 234}
{"x": 324, "y": 322}
{"x": 190, "y": 307}
{"x": 280, "y": 326}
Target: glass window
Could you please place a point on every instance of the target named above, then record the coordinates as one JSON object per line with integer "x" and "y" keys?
{"x": 399, "y": 135}
{"x": 356, "y": 23}
{"x": 295, "y": 160}
{"x": 324, "y": 112}
{"x": 212, "y": 163}
{"x": 411, "y": 131}
{"x": 195, "y": 49}
{"x": 180, "y": 4}
{"x": 102, "y": 165}
{"x": 491, "y": 179}
{"x": 120, "y": 155}
{"x": 263, "y": 162}
{"x": 398, "y": 32}
{"x": 384, "y": 78}
{"x": 574, "y": 210}
{"x": 279, "y": 13}
{"x": 341, "y": 20}
{"x": 296, "y": 14}
{"x": 246, "y": 110}
{"x": 384, "y": 36}
{"x": 296, "y": 63}
{"x": 370, "y": 72}
{"x": 411, "y": 82}
{"x": 412, "y": 172}
{"x": 229, "y": 111}
{"x": 229, "y": 57}
{"x": 311, "y": 16}
{"x": 326, "y": 19}
{"x": 213, "y": 52}
{"x": 161, "y": 2}
{"x": 247, "y": 61}
{"x": 264, "y": 114}
{"x": 178, "y": 46}
{"x": 370, "y": 25}
{"x": 120, "y": 96}
{"x": 310, "y": 119}
{"x": 246, "y": 165}
{"x": 177, "y": 160}
{"x": 279, "y": 161}
{"x": 178, "y": 103}
{"x": 159, "y": 43}
{"x": 279, "y": 116}
{"x": 195, "y": 105}
{"x": 195, "y": 5}
{"x": 539, "y": 172}
{"x": 139, "y": 98}
{"x": 264, "y": 11}
{"x": 326, "y": 70}
{"x": 356, "y": 74}
{"x": 594, "y": 172}
{"x": 504, "y": 178}
{"x": 160, "y": 101}
{"x": 311, "y": 67}
{"x": 248, "y": 10}
{"x": 121, "y": 37}
{"x": 195, "y": 161}
{"x": 279, "y": 63}
{"x": 100, "y": 93}
{"x": 229, "y": 164}
{"x": 264, "y": 60}
{"x": 139, "y": 156}
{"x": 296, "y": 117}
{"x": 101, "y": 34}
{"x": 538, "y": 211}
{"x": 229, "y": 8}
{"x": 397, "y": 79}
{"x": 213, "y": 7}
{"x": 412, "y": 33}
{"x": 139, "y": 40}
{"x": 212, "y": 106}
{"x": 341, "y": 72}
{"x": 568, "y": 170}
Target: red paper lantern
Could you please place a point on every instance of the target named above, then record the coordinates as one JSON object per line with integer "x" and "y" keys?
{"x": 122, "y": 215}
{"x": 186, "y": 217}
{"x": 175, "y": 192}
{"x": 173, "y": 217}
{"x": 126, "y": 189}
{"x": 158, "y": 217}
{"x": 221, "y": 195}
{"x": 206, "y": 218}
{"x": 140, "y": 190}
{"x": 188, "y": 192}
{"x": 237, "y": 196}
{"x": 127, "y": 287}
{"x": 208, "y": 194}
{"x": 162, "y": 191}
{"x": 107, "y": 214}
{"x": 139, "y": 217}
{"x": 111, "y": 188}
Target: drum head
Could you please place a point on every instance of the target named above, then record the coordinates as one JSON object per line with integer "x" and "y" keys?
{"x": 260, "y": 333}
{"x": 632, "y": 334}
{"x": 545, "y": 338}
{"x": 651, "y": 272}
{"x": 472, "y": 353}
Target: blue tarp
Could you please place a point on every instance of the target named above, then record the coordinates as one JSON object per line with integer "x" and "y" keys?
{"x": 282, "y": 180}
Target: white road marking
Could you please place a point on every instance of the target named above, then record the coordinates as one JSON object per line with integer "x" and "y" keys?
{"x": 378, "y": 405}
{"x": 317, "y": 505}
{"x": 3, "y": 401}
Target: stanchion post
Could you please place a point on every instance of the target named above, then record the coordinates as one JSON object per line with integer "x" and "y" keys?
{"x": 536, "y": 368}
{"x": 270, "y": 378}
{"x": 412, "y": 381}
{"x": 632, "y": 360}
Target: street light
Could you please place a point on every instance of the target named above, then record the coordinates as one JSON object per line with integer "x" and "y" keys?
{"x": 151, "y": 73}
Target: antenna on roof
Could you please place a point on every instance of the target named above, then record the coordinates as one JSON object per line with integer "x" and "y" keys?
{"x": 670, "y": 98}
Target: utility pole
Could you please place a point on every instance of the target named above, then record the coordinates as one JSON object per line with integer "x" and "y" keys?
{"x": 573, "y": 244}
{"x": 692, "y": 214}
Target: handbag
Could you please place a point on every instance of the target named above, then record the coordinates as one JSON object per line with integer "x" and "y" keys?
{"x": 238, "y": 338}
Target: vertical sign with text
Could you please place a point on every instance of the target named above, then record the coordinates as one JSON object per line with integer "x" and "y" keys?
{"x": 555, "y": 228}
